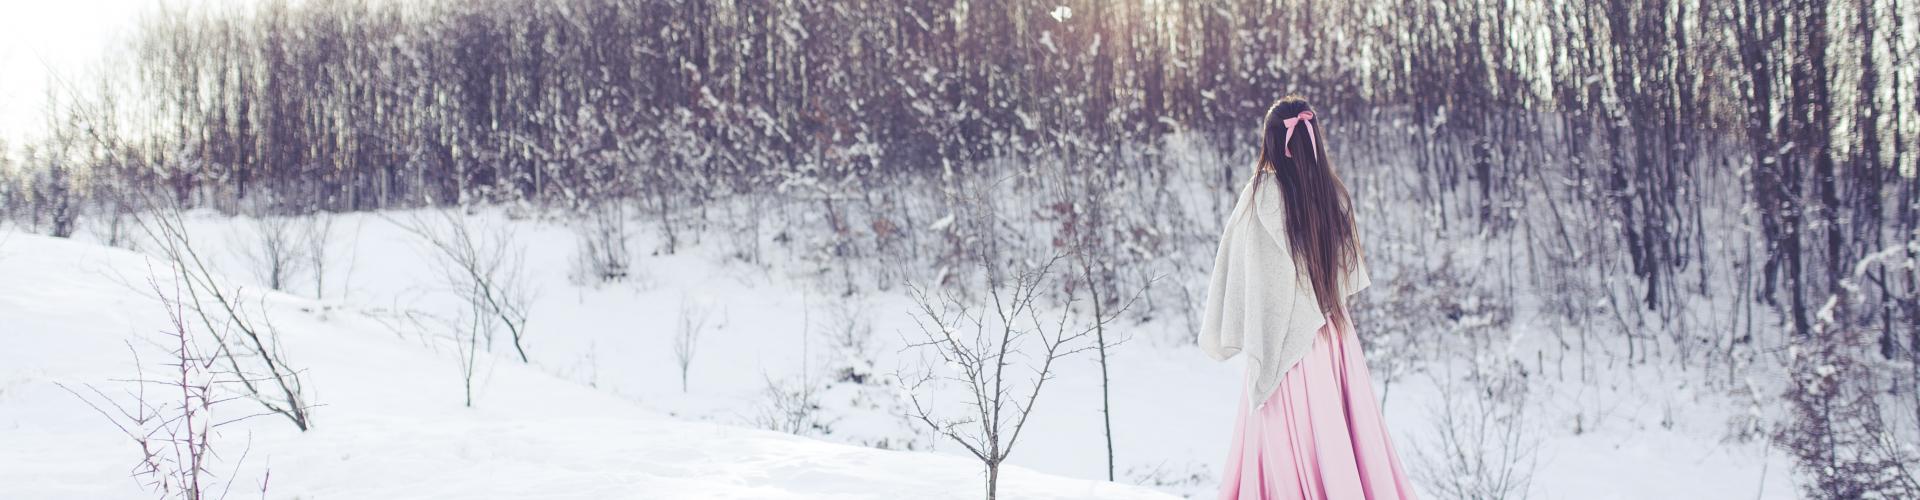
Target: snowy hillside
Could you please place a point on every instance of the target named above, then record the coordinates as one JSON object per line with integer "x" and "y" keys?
{"x": 390, "y": 421}
{"x": 601, "y": 410}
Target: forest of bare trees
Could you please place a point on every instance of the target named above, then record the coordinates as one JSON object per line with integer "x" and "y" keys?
{"x": 1731, "y": 180}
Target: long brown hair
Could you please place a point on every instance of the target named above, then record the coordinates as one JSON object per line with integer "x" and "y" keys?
{"x": 1319, "y": 215}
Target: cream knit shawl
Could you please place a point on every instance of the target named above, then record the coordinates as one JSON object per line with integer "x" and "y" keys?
{"x": 1259, "y": 299}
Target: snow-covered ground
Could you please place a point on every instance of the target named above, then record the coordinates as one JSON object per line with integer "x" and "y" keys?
{"x": 600, "y": 412}
{"x": 392, "y": 423}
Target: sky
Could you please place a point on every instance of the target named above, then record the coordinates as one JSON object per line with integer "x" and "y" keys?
{"x": 40, "y": 40}
{"x": 48, "y": 42}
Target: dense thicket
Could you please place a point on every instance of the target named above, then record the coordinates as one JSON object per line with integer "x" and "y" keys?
{"x": 1795, "y": 120}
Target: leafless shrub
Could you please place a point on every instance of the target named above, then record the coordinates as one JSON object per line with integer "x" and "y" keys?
{"x": 602, "y": 255}
{"x": 1839, "y": 430}
{"x": 977, "y": 347}
{"x": 850, "y": 381}
{"x": 483, "y": 267}
{"x": 1850, "y": 428}
{"x": 274, "y": 250}
{"x": 1481, "y": 447}
{"x": 793, "y": 406}
{"x": 849, "y": 331}
{"x": 177, "y": 427}
{"x": 686, "y": 339}
{"x": 1408, "y": 307}
{"x": 246, "y": 341}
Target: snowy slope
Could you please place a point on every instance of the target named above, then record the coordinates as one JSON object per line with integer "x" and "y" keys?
{"x": 602, "y": 360}
{"x": 392, "y": 424}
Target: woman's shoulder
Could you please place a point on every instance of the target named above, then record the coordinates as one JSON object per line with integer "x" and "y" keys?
{"x": 1245, "y": 195}
{"x": 1267, "y": 196}
{"x": 1265, "y": 208}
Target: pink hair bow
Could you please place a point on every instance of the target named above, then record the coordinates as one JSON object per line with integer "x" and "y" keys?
{"x": 1290, "y": 122}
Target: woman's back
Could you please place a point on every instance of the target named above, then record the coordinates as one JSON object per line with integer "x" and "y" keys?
{"x": 1288, "y": 258}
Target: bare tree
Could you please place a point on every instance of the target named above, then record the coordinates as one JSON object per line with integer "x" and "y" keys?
{"x": 977, "y": 347}
{"x": 686, "y": 339}
{"x": 465, "y": 331}
{"x": 1103, "y": 315}
{"x": 275, "y": 251}
{"x": 316, "y": 241}
{"x": 1089, "y": 229}
{"x": 246, "y": 340}
{"x": 483, "y": 267}
{"x": 55, "y": 196}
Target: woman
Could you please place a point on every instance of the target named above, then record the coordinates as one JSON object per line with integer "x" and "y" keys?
{"x": 1308, "y": 426}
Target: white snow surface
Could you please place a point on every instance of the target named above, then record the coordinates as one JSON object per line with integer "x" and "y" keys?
{"x": 392, "y": 423}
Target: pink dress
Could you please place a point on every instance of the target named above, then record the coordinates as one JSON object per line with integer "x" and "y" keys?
{"x": 1319, "y": 436}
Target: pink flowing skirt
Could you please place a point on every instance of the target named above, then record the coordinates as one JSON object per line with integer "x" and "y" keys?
{"x": 1319, "y": 436}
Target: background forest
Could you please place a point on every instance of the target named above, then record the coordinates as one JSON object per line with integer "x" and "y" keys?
{"x": 1718, "y": 191}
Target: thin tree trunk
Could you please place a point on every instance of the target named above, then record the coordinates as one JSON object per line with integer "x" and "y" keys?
{"x": 993, "y": 480}
{"x": 1100, "y": 336}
